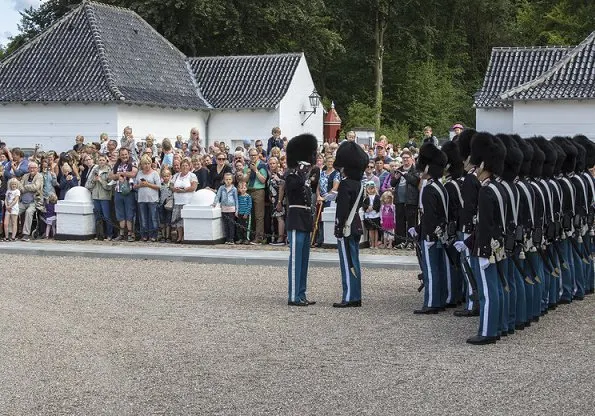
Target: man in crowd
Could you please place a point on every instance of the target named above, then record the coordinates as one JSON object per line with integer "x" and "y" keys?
{"x": 31, "y": 197}
{"x": 255, "y": 175}
{"x": 274, "y": 141}
{"x": 406, "y": 184}
{"x": 429, "y": 137}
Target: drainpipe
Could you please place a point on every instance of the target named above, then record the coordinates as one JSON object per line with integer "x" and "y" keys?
{"x": 206, "y": 146}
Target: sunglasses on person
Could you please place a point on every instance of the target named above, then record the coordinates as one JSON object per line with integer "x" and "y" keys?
{"x": 194, "y": 150}
{"x": 220, "y": 158}
{"x": 259, "y": 145}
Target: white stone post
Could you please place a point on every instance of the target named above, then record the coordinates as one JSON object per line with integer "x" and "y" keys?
{"x": 74, "y": 215}
{"x": 202, "y": 223}
{"x": 328, "y": 221}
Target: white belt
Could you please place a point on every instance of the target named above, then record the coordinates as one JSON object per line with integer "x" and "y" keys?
{"x": 300, "y": 206}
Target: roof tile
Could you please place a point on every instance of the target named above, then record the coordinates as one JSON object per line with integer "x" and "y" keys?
{"x": 257, "y": 81}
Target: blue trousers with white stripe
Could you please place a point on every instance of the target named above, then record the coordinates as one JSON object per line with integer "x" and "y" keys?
{"x": 297, "y": 271}
{"x": 469, "y": 304}
{"x": 434, "y": 266}
{"x": 554, "y": 281}
{"x": 510, "y": 314}
{"x": 567, "y": 274}
{"x": 535, "y": 305}
{"x": 521, "y": 297}
{"x": 590, "y": 268}
{"x": 350, "y": 279}
{"x": 489, "y": 301}
{"x": 579, "y": 273}
{"x": 454, "y": 276}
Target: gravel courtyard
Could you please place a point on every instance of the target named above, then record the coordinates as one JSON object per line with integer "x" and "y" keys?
{"x": 90, "y": 336}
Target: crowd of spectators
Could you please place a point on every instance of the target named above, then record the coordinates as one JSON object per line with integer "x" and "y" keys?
{"x": 139, "y": 187}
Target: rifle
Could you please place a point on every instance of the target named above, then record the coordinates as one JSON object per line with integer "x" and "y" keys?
{"x": 546, "y": 262}
{"x": 560, "y": 257}
{"x": 318, "y": 212}
{"x": 577, "y": 250}
{"x": 517, "y": 265}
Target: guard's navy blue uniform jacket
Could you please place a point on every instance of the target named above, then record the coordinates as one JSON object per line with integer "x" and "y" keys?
{"x": 568, "y": 192}
{"x": 433, "y": 214}
{"x": 347, "y": 194}
{"x": 470, "y": 190}
{"x": 298, "y": 193}
{"x": 489, "y": 225}
{"x": 455, "y": 195}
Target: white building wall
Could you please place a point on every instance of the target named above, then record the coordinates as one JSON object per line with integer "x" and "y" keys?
{"x": 161, "y": 122}
{"x": 494, "y": 120}
{"x": 297, "y": 100}
{"x": 555, "y": 118}
{"x": 233, "y": 126}
{"x": 55, "y": 125}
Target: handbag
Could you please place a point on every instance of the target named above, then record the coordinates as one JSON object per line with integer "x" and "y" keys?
{"x": 169, "y": 203}
{"x": 125, "y": 188}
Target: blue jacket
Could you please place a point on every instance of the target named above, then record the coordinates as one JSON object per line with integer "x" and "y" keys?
{"x": 228, "y": 198}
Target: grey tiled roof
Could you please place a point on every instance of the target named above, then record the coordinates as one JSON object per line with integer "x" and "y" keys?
{"x": 572, "y": 77}
{"x": 100, "y": 53}
{"x": 511, "y": 67}
{"x": 257, "y": 81}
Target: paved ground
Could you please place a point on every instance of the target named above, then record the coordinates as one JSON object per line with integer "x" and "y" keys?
{"x": 112, "y": 336}
{"x": 217, "y": 254}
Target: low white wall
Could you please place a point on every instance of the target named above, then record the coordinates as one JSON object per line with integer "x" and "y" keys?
{"x": 555, "y": 118}
{"x": 55, "y": 126}
{"x": 494, "y": 120}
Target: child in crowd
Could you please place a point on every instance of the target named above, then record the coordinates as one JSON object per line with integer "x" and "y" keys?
{"x": 227, "y": 198}
{"x": 13, "y": 196}
{"x": 372, "y": 213}
{"x": 244, "y": 210}
{"x": 387, "y": 218}
{"x": 166, "y": 205}
{"x": 49, "y": 217}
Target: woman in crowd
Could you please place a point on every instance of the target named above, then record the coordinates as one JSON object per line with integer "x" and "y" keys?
{"x": 167, "y": 153}
{"x": 183, "y": 185}
{"x": 328, "y": 184}
{"x": 124, "y": 172}
{"x": 87, "y": 164}
{"x": 202, "y": 173}
{"x": 67, "y": 181}
{"x": 276, "y": 184}
{"x": 147, "y": 184}
{"x": 217, "y": 171}
{"x": 50, "y": 181}
{"x": 101, "y": 193}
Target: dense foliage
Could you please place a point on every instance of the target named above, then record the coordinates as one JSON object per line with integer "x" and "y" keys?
{"x": 396, "y": 65}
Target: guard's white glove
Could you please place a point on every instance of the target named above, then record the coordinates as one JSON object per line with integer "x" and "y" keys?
{"x": 460, "y": 246}
{"x": 484, "y": 263}
{"x": 412, "y": 232}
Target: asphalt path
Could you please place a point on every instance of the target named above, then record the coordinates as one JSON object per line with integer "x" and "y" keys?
{"x": 89, "y": 336}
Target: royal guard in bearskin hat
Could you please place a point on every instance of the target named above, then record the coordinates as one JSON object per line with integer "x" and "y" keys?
{"x": 470, "y": 190}
{"x": 352, "y": 161}
{"x": 453, "y": 175}
{"x": 568, "y": 244}
{"x": 523, "y": 279}
{"x": 431, "y": 231}
{"x": 301, "y": 156}
{"x": 589, "y": 180}
{"x": 513, "y": 232}
{"x": 581, "y": 210}
{"x": 550, "y": 267}
{"x": 534, "y": 266}
{"x": 487, "y": 242}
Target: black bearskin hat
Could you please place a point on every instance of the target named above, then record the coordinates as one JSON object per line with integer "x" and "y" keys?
{"x": 580, "y": 155}
{"x": 570, "y": 160}
{"x": 560, "y": 157}
{"x": 464, "y": 142}
{"x": 352, "y": 159}
{"x": 433, "y": 159}
{"x": 514, "y": 157}
{"x": 490, "y": 151}
{"x": 301, "y": 148}
{"x": 589, "y": 150}
{"x": 551, "y": 156}
{"x": 454, "y": 159}
{"x": 527, "y": 150}
{"x": 538, "y": 159}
